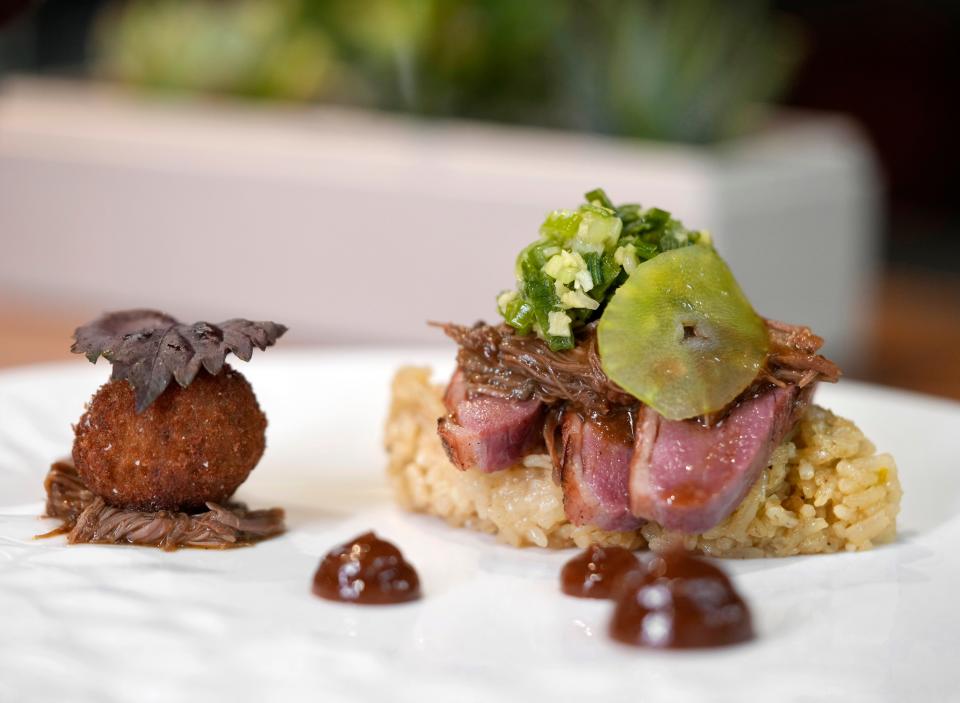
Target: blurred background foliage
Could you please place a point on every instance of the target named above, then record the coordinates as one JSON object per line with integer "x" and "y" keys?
{"x": 679, "y": 70}
{"x": 693, "y": 71}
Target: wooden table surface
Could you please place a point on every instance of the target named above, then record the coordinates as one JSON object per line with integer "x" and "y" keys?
{"x": 914, "y": 333}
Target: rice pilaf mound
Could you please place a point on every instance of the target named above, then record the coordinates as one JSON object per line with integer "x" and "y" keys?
{"x": 826, "y": 490}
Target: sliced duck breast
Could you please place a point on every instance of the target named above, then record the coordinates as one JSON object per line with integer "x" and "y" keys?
{"x": 595, "y": 471}
{"x": 689, "y": 477}
{"x": 487, "y": 433}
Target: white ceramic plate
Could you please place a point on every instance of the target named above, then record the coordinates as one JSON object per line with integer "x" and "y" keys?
{"x": 103, "y": 623}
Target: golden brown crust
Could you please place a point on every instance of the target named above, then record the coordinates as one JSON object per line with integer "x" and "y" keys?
{"x": 191, "y": 446}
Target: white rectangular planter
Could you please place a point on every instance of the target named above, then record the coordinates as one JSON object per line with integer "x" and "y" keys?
{"x": 359, "y": 227}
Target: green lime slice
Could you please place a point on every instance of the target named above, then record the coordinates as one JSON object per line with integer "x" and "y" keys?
{"x": 681, "y": 336}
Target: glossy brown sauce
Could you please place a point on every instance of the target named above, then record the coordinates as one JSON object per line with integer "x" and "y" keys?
{"x": 679, "y": 602}
{"x": 366, "y": 570}
{"x": 597, "y": 571}
{"x": 618, "y": 425}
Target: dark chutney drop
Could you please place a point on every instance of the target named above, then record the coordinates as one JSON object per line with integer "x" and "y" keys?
{"x": 679, "y": 602}
{"x": 596, "y": 572}
{"x": 368, "y": 571}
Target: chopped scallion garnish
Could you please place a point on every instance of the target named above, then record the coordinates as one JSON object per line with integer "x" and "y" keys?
{"x": 566, "y": 277}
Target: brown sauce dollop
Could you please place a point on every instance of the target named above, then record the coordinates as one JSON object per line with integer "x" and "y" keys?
{"x": 679, "y": 602}
{"x": 366, "y": 570}
{"x": 596, "y": 572}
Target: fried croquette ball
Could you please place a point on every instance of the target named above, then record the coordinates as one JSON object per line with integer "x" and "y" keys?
{"x": 190, "y": 446}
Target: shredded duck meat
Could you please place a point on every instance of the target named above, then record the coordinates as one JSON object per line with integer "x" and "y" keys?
{"x": 87, "y": 518}
{"x": 498, "y": 362}
{"x": 793, "y": 357}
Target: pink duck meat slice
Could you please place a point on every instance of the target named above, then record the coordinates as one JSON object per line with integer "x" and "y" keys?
{"x": 689, "y": 477}
{"x": 595, "y": 470}
{"x": 486, "y": 433}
